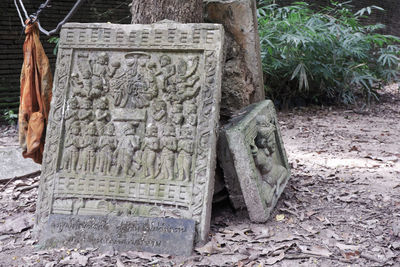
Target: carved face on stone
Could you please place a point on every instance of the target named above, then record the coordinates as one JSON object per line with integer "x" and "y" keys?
{"x": 152, "y": 130}
{"x": 86, "y": 104}
{"x": 187, "y": 131}
{"x": 192, "y": 119}
{"x": 160, "y": 105}
{"x": 165, "y": 60}
{"x": 182, "y": 67}
{"x": 86, "y": 74}
{"x": 73, "y": 103}
{"x": 265, "y": 138}
{"x": 109, "y": 130}
{"x": 102, "y": 59}
{"x": 169, "y": 130}
{"x": 91, "y": 130}
{"x": 75, "y": 128}
{"x": 131, "y": 60}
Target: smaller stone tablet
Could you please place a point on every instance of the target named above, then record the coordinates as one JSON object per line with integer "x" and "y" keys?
{"x": 254, "y": 160}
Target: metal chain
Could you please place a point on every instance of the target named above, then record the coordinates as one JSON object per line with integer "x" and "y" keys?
{"x": 35, "y": 16}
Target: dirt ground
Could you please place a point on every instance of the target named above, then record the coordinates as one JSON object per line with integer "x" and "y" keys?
{"x": 340, "y": 208}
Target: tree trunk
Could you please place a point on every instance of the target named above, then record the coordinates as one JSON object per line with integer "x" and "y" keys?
{"x": 151, "y": 11}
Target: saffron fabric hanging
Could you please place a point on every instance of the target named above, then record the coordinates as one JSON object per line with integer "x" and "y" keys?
{"x": 36, "y": 84}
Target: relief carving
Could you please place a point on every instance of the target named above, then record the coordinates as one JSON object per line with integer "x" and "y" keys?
{"x": 127, "y": 125}
{"x": 263, "y": 151}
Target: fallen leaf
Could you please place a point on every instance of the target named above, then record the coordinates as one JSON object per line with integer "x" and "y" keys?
{"x": 210, "y": 248}
{"x": 273, "y": 260}
{"x": 315, "y": 250}
{"x": 280, "y": 217}
{"x": 347, "y": 247}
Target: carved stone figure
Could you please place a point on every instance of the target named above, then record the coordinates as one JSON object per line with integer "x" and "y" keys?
{"x": 185, "y": 152}
{"x": 191, "y": 114}
{"x": 254, "y": 161}
{"x": 167, "y": 70}
{"x": 103, "y": 115}
{"x": 186, "y": 81}
{"x": 89, "y": 146}
{"x": 130, "y": 88}
{"x": 159, "y": 111}
{"x": 86, "y": 114}
{"x": 151, "y": 147}
{"x": 272, "y": 173}
{"x": 71, "y": 153}
{"x": 126, "y": 149}
{"x": 176, "y": 115}
{"x": 101, "y": 73}
{"x": 71, "y": 114}
{"x": 169, "y": 147}
{"x": 82, "y": 87}
{"x": 107, "y": 145}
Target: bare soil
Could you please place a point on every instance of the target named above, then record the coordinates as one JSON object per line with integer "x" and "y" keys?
{"x": 340, "y": 208}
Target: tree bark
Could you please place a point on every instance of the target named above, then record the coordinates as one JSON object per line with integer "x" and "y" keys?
{"x": 151, "y": 11}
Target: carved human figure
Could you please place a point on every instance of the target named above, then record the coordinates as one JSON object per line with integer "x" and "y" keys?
{"x": 151, "y": 147}
{"x": 191, "y": 114}
{"x": 71, "y": 114}
{"x": 176, "y": 115}
{"x": 159, "y": 111}
{"x": 85, "y": 114}
{"x": 107, "y": 145}
{"x": 80, "y": 87}
{"x": 103, "y": 115}
{"x": 126, "y": 149}
{"x": 152, "y": 90}
{"x": 71, "y": 154}
{"x": 186, "y": 81}
{"x": 167, "y": 70}
{"x": 130, "y": 88}
{"x": 101, "y": 73}
{"x": 169, "y": 147}
{"x": 185, "y": 153}
{"x": 89, "y": 146}
{"x": 263, "y": 151}
{"x": 83, "y": 85}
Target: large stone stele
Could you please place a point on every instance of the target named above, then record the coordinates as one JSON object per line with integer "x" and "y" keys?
{"x": 131, "y": 142}
{"x": 254, "y": 160}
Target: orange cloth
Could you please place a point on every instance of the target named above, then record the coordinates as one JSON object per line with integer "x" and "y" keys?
{"x": 36, "y": 84}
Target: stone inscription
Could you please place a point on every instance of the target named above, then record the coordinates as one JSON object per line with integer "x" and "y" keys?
{"x": 171, "y": 236}
{"x": 132, "y": 130}
{"x": 254, "y": 160}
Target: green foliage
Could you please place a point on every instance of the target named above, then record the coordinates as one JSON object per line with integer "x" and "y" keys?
{"x": 10, "y": 117}
{"x": 326, "y": 55}
{"x": 54, "y": 40}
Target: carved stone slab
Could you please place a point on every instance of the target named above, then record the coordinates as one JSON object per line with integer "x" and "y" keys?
{"x": 132, "y": 128}
{"x": 254, "y": 160}
{"x": 157, "y": 235}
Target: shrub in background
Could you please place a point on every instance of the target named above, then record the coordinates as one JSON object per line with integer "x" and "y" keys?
{"x": 324, "y": 56}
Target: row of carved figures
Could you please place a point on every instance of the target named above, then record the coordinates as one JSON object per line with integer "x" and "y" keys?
{"x": 139, "y": 82}
{"x": 168, "y": 157}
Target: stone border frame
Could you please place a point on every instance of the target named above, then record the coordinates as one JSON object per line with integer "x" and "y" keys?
{"x": 206, "y": 38}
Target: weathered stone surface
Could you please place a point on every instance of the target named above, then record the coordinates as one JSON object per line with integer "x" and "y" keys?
{"x": 254, "y": 160}
{"x": 157, "y": 235}
{"x": 242, "y": 79}
{"x": 14, "y": 165}
{"x": 133, "y": 124}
